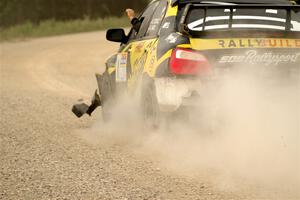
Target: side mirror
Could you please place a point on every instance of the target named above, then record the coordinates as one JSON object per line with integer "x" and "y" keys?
{"x": 116, "y": 35}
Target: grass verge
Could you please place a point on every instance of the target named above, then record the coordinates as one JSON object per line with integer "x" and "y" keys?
{"x": 51, "y": 28}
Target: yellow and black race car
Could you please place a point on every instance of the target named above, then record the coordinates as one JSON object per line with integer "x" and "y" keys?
{"x": 180, "y": 43}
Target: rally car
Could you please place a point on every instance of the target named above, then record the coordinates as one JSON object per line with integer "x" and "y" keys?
{"x": 181, "y": 43}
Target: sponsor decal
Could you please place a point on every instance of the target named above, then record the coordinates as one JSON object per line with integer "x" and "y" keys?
{"x": 166, "y": 25}
{"x": 242, "y": 43}
{"x": 172, "y": 38}
{"x": 153, "y": 24}
{"x": 121, "y": 67}
{"x": 267, "y": 58}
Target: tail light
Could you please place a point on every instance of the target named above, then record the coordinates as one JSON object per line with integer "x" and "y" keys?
{"x": 188, "y": 62}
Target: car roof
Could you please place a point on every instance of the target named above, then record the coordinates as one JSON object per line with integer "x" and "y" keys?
{"x": 233, "y": 1}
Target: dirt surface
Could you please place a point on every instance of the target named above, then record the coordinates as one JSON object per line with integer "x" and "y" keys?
{"x": 47, "y": 153}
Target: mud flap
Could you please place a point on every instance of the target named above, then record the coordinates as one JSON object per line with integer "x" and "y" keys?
{"x": 99, "y": 81}
{"x": 80, "y": 109}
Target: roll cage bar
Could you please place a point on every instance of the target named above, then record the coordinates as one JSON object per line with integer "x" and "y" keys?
{"x": 183, "y": 28}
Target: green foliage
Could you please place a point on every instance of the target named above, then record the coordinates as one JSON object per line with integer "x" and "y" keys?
{"x": 13, "y": 12}
{"x": 51, "y": 27}
{"x": 36, "y": 18}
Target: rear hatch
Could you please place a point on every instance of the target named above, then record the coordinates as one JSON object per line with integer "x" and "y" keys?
{"x": 256, "y": 35}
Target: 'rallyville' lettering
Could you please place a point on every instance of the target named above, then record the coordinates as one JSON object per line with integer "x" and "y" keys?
{"x": 259, "y": 43}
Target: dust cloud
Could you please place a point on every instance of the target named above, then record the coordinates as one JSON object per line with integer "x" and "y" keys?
{"x": 245, "y": 131}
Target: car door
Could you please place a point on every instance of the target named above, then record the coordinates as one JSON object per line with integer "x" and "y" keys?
{"x": 143, "y": 44}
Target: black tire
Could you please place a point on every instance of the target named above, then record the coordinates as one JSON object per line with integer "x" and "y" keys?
{"x": 149, "y": 104}
{"x": 107, "y": 88}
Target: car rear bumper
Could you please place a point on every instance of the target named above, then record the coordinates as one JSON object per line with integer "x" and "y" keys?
{"x": 172, "y": 93}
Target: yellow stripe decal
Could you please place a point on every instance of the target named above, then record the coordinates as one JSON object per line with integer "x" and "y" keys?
{"x": 240, "y": 43}
{"x": 186, "y": 46}
{"x": 172, "y": 11}
{"x": 164, "y": 57}
{"x": 111, "y": 70}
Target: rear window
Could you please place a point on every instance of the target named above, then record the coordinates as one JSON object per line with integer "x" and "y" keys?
{"x": 243, "y": 18}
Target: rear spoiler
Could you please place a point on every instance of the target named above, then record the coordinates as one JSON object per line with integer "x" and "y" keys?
{"x": 183, "y": 28}
{"x": 176, "y": 2}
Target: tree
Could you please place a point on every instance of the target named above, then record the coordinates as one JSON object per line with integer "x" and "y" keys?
{"x": 14, "y": 12}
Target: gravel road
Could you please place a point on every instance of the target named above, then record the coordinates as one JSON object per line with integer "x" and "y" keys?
{"x": 46, "y": 153}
